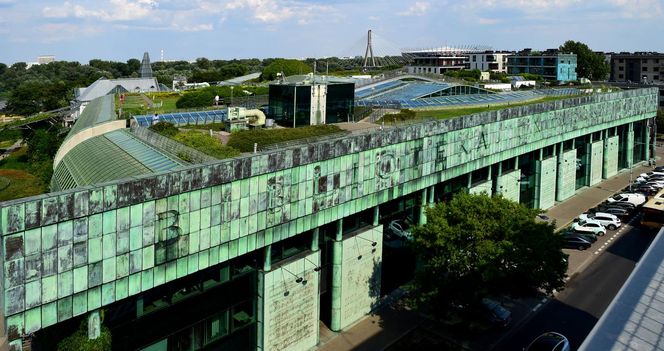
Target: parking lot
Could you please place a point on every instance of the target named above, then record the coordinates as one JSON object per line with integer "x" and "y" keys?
{"x": 566, "y": 212}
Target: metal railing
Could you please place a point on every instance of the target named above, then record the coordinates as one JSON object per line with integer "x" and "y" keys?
{"x": 174, "y": 148}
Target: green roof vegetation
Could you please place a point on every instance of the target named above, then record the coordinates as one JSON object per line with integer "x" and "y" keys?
{"x": 455, "y": 111}
{"x": 206, "y": 144}
{"x": 15, "y": 184}
{"x": 141, "y": 104}
{"x": 244, "y": 140}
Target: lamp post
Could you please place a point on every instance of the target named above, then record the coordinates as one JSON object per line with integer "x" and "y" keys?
{"x": 232, "y": 87}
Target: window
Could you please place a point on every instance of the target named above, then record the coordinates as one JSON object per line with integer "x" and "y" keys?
{"x": 621, "y": 76}
{"x": 621, "y": 60}
{"x": 644, "y": 69}
{"x": 655, "y": 78}
{"x": 474, "y": 58}
{"x": 644, "y": 61}
{"x": 621, "y": 68}
{"x": 656, "y": 69}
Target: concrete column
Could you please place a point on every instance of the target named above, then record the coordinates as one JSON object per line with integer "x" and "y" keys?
{"x": 94, "y": 325}
{"x": 432, "y": 198}
{"x": 337, "y": 261}
{"x": 646, "y": 139}
{"x": 630, "y": 145}
{"x": 267, "y": 258}
{"x": 470, "y": 180}
{"x": 423, "y": 205}
{"x": 376, "y": 216}
{"x": 315, "y": 237}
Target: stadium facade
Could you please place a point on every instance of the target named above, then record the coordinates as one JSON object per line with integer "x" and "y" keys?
{"x": 255, "y": 251}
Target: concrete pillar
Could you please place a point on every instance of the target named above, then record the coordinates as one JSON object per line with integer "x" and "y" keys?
{"x": 267, "y": 258}
{"x": 630, "y": 145}
{"x": 432, "y": 199}
{"x": 94, "y": 325}
{"x": 337, "y": 261}
{"x": 646, "y": 139}
{"x": 376, "y": 216}
{"x": 423, "y": 206}
{"x": 315, "y": 237}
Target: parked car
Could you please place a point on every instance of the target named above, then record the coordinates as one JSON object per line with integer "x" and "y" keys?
{"x": 550, "y": 341}
{"x": 650, "y": 174}
{"x": 659, "y": 169}
{"x": 575, "y": 241}
{"x": 591, "y": 237}
{"x": 636, "y": 199}
{"x": 589, "y": 226}
{"x": 626, "y": 205}
{"x": 496, "y": 313}
{"x": 647, "y": 190}
{"x": 616, "y": 211}
{"x": 398, "y": 229}
{"x": 608, "y": 220}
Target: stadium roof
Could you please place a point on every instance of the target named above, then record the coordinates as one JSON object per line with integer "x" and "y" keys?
{"x": 103, "y": 86}
{"x": 635, "y": 318}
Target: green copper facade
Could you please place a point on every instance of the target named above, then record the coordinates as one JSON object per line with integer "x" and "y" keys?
{"x": 66, "y": 254}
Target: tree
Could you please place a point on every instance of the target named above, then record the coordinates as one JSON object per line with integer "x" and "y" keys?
{"x": 660, "y": 121}
{"x": 475, "y": 245}
{"x": 589, "y": 64}
{"x": 288, "y": 67}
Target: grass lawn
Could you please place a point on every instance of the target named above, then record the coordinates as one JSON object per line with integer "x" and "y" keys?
{"x": 21, "y": 184}
{"x": 17, "y": 160}
{"x": 134, "y": 103}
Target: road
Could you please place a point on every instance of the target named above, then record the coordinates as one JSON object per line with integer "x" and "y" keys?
{"x": 576, "y": 309}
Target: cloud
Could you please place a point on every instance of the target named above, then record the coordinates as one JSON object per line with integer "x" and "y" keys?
{"x": 273, "y": 11}
{"x": 644, "y": 9}
{"x": 110, "y": 11}
{"x": 56, "y": 32}
{"x": 419, "y": 8}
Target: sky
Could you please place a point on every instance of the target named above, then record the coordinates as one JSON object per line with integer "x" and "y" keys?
{"x": 81, "y": 30}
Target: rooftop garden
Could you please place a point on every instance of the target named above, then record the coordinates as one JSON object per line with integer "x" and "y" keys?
{"x": 455, "y": 111}
{"x": 240, "y": 141}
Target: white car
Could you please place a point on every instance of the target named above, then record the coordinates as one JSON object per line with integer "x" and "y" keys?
{"x": 636, "y": 199}
{"x": 608, "y": 220}
{"x": 589, "y": 226}
{"x": 398, "y": 229}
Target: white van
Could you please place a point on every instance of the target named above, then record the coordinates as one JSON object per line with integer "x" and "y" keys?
{"x": 608, "y": 220}
{"x": 636, "y": 199}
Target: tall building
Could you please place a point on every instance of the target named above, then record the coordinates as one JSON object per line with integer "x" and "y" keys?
{"x": 638, "y": 67}
{"x": 494, "y": 61}
{"x": 550, "y": 64}
{"x": 438, "y": 60}
{"x": 146, "y": 69}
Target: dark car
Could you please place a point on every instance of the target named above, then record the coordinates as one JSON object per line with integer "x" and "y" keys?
{"x": 496, "y": 313}
{"x": 620, "y": 204}
{"x": 617, "y": 211}
{"x": 591, "y": 237}
{"x": 550, "y": 341}
{"x": 659, "y": 169}
{"x": 575, "y": 241}
{"x": 646, "y": 190}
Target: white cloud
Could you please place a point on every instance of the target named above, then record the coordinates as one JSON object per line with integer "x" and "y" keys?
{"x": 274, "y": 11}
{"x": 55, "y": 32}
{"x": 419, "y": 8}
{"x": 110, "y": 11}
{"x": 645, "y": 9}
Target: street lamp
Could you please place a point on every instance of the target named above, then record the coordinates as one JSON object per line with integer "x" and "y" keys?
{"x": 232, "y": 87}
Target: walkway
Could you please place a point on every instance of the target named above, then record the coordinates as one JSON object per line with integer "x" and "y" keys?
{"x": 386, "y": 326}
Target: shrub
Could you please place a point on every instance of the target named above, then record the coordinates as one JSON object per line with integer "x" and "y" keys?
{"x": 219, "y": 126}
{"x": 79, "y": 340}
{"x": 164, "y": 128}
{"x": 244, "y": 140}
{"x": 206, "y": 144}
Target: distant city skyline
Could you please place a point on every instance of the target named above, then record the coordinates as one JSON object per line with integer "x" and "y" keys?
{"x": 118, "y": 30}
